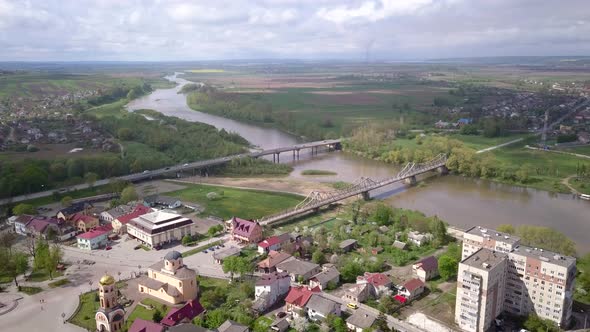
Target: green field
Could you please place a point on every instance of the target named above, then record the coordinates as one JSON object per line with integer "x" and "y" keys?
{"x": 84, "y": 317}
{"x": 248, "y": 204}
{"x": 317, "y": 172}
{"x": 579, "y": 149}
{"x": 478, "y": 142}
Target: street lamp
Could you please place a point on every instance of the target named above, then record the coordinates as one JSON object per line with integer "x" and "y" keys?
{"x": 63, "y": 317}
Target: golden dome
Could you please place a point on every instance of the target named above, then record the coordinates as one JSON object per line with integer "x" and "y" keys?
{"x": 107, "y": 280}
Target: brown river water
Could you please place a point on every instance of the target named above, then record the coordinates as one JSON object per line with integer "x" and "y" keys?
{"x": 462, "y": 202}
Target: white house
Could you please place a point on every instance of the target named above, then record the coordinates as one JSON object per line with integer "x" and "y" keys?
{"x": 95, "y": 238}
{"x": 360, "y": 321}
{"x": 269, "y": 289}
{"x": 418, "y": 238}
{"x": 273, "y": 243}
{"x": 20, "y": 224}
{"x": 319, "y": 307}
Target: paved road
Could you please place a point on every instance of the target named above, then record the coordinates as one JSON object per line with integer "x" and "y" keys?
{"x": 500, "y": 145}
{"x": 149, "y": 174}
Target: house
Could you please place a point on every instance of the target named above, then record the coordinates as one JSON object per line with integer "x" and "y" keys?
{"x": 280, "y": 325}
{"x": 411, "y": 289}
{"x": 165, "y": 202}
{"x": 399, "y": 245}
{"x": 383, "y": 229}
{"x": 273, "y": 243}
{"x": 120, "y": 223}
{"x": 140, "y": 325}
{"x": 319, "y": 307}
{"x": 184, "y": 314}
{"x": 221, "y": 255}
{"x": 245, "y": 231}
{"x": 418, "y": 238}
{"x": 269, "y": 289}
{"x": 188, "y": 327}
{"x": 300, "y": 271}
{"x": 269, "y": 264}
{"x": 297, "y": 299}
{"x": 357, "y": 293}
{"x": 231, "y": 326}
{"x": 83, "y": 222}
{"x": 360, "y": 321}
{"x": 425, "y": 269}
{"x": 94, "y": 238}
{"x": 65, "y": 213}
{"x": 328, "y": 275}
{"x": 348, "y": 245}
{"x": 36, "y": 227}
{"x": 62, "y": 230}
{"x": 20, "y": 224}
{"x": 464, "y": 121}
{"x": 114, "y": 213}
{"x": 380, "y": 282}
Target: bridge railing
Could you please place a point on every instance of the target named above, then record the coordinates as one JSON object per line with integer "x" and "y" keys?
{"x": 318, "y": 199}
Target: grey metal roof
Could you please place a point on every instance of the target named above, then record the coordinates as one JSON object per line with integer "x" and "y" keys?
{"x": 173, "y": 255}
{"x": 321, "y": 304}
{"x": 296, "y": 266}
{"x": 327, "y": 275}
{"x": 347, "y": 243}
{"x": 231, "y": 326}
{"x": 361, "y": 319}
{"x": 188, "y": 328}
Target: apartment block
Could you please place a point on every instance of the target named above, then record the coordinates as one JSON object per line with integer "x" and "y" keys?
{"x": 535, "y": 280}
{"x": 480, "y": 289}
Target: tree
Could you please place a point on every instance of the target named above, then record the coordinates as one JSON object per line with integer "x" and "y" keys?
{"x": 350, "y": 270}
{"x": 90, "y": 178}
{"x": 214, "y": 230}
{"x": 381, "y": 323}
{"x": 546, "y": 238}
{"x": 52, "y": 260}
{"x": 534, "y": 323}
{"x": 237, "y": 265}
{"x": 215, "y": 318}
{"x": 506, "y": 228}
{"x": 157, "y": 316}
{"x": 522, "y": 174}
{"x": 186, "y": 240}
{"x": 336, "y": 323}
{"x": 51, "y": 234}
{"x": 439, "y": 231}
{"x": 318, "y": 257}
{"x": 24, "y": 208}
{"x": 66, "y": 201}
{"x": 7, "y": 240}
{"x": 13, "y": 264}
{"x": 125, "y": 134}
{"x": 128, "y": 194}
{"x": 447, "y": 266}
{"x": 382, "y": 215}
{"x": 468, "y": 129}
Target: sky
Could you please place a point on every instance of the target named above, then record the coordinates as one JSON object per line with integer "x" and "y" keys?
{"x": 180, "y": 30}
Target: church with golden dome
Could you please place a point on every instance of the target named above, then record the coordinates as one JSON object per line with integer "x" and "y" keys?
{"x": 110, "y": 317}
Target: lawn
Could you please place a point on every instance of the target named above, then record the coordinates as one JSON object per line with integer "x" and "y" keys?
{"x": 30, "y": 290}
{"x": 578, "y": 149}
{"x": 59, "y": 283}
{"x": 206, "y": 283}
{"x": 143, "y": 313}
{"x": 42, "y": 275}
{"x": 317, "y": 172}
{"x": 243, "y": 203}
{"x": 547, "y": 169}
{"x": 84, "y": 317}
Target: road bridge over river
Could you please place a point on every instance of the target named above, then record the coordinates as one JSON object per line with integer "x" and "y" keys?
{"x": 316, "y": 199}
{"x": 177, "y": 170}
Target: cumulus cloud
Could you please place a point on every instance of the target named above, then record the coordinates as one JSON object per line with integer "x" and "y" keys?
{"x": 346, "y": 29}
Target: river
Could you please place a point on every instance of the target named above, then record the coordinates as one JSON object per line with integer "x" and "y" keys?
{"x": 460, "y": 201}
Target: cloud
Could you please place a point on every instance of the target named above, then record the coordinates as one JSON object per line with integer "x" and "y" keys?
{"x": 314, "y": 29}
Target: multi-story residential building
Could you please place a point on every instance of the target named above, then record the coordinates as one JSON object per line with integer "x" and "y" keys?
{"x": 480, "y": 290}
{"x": 536, "y": 280}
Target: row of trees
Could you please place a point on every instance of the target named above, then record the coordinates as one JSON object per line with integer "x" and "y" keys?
{"x": 542, "y": 237}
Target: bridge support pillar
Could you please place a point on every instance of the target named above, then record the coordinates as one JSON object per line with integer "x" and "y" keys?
{"x": 411, "y": 180}
{"x": 338, "y": 146}
{"x": 443, "y": 170}
{"x": 278, "y": 161}
{"x": 366, "y": 195}
{"x": 293, "y": 155}
{"x": 297, "y": 154}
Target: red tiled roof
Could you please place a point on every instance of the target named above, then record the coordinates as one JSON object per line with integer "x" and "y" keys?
{"x": 299, "y": 296}
{"x": 98, "y": 231}
{"x": 243, "y": 227}
{"x": 413, "y": 284}
{"x": 140, "y": 325}
{"x": 271, "y": 241}
{"x": 189, "y": 311}
{"x": 82, "y": 217}
{"x": 139, "y": 210}
{"x": 376, "y": 279}
{"x": 274, "y": 258}
{"x": 428, "y": 264}
{"x": 38, "y": 224}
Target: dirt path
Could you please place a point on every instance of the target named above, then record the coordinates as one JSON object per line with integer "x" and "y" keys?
{"x": 278, "y": 184}
{"x": 566, "y": 182}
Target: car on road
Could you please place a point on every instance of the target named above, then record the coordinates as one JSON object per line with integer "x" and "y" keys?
{"x": 281, "y": 314}
{"x": 146, "y": 171}
{"x": 137, "y": 247}
{"x": 222, "y": 245}
{"x": 158, "y": 247}
{"x": 205, "y": 251}
{"x": 212, "y": 249}
{"x": 352, "y": 306}
{"x": 108, "y": 248}
{"x": 185, "y": 165}
{"x": 167, "y": 168}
